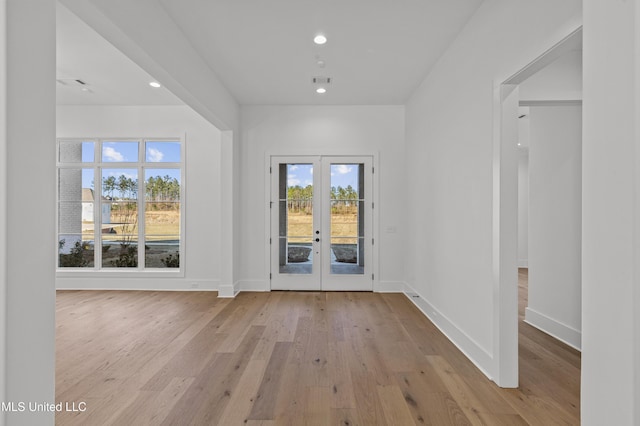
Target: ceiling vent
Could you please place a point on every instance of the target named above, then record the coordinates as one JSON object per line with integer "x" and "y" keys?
{"x": 321, "y": 80}
{"x": 71, "y": 82}
{"x": 75, "y": 83}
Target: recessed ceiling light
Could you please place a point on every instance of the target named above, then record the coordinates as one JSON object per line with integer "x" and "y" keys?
{"x": 319, "y": 39}
{"x": 155, "y": 84}
{"x": 321, "y": 90}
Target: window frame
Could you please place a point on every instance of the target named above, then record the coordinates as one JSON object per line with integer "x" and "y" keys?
{"x": 97, "y": 270}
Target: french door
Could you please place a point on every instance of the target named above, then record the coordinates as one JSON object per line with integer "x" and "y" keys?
{"x": 321, "y": 223}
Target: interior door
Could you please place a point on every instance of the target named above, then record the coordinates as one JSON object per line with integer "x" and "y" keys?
{"x": 321, "y": 223}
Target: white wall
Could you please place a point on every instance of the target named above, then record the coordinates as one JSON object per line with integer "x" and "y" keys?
{"x": 3, "y": 204}
{"x": 30, "y": 241}
{"x": 611, "y": 193}
{"x": 523, "y": 187}
{"x": 523, "y": 208}
{"x": 202, "y": 192}
{"x": 449, "y": 160}
{"x": 328, "y": 130}
{"x": 559, "y": 81}
{"x": 555, "y": 221}
{"x": 172, "y": 60}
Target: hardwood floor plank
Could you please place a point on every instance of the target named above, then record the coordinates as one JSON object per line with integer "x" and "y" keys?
{"x": 264, "y": 403}
{"x": 197, "y": 395}
{"x": 151, "y": 407}
{"x": 237, "y": 324}
{"x": 243, "y": 397}
{"x": 394, "y": 406}
{"x": 345, "y": 417}
{"x": 317, "y": 410}
{"x": 429, "y": 404}
{"x": 290, "y": 358}
{"x": 368, "y": 405}
{"x": 219, "y": 391}
{"x": 340, "y": 381}
{"x": 470, "y": 404}
{"x": 189, "y": 361}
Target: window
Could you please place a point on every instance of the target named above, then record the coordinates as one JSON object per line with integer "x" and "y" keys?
{"x": 119, "y": 204}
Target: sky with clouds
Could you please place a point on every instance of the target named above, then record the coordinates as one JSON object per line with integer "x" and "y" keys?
{"x": 341, "y": 175}
{"x": 120, "y": 152}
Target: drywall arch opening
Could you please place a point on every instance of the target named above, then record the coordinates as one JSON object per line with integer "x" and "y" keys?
{"x": 505, "y": 209}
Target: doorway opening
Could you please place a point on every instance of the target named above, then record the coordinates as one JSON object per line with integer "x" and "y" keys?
{"x": 505, "y": 233}
{"x": 321, "y": 211}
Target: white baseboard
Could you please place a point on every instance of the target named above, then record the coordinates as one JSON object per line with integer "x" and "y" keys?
{"x": 553, "y": 328}
{"x": 476, "y": 354}
{"x": 523, "y": 263}
{"x": 264, "y": 285}
{"x": 389, "y": 287}
{"x": 148, "y": 284}
{"x": 227, "y": 291}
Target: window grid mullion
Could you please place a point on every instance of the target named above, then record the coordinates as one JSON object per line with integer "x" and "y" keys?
{"x": 98, "y": 167}
{"x": 142, "y": 243}
{"x": 97, "y": 218}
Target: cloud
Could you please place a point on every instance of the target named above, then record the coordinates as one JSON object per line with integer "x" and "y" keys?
{"x": 293, "y": 182}
{"x": 111, "y": 154}
{"x": 343, "y": 169}
{"x": 155, "y": 155}
{"x": 293, "y": 167}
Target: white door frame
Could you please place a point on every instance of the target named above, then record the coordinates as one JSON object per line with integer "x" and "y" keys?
{"x": 375, "y": 251}
{"x": 505, "y": 212}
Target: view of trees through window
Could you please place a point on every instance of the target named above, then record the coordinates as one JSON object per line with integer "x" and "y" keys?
{"x": 134, "y": 214}
{"x": 300, "y": 200}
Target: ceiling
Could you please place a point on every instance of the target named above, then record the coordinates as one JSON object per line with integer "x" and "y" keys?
{"x": 378, "y": 51}
{"x": 110, "y": 77}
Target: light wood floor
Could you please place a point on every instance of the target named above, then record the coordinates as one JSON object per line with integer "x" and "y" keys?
{"x": 183, "y": 358}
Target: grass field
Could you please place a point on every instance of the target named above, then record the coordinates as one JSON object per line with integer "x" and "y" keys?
{"x": 159, "y": 224}
{"x": 344, "y": 228}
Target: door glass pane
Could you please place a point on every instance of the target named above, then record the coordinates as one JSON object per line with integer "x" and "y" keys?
{"x": 295, "y": 206}
{"x": 347, "y": 218}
